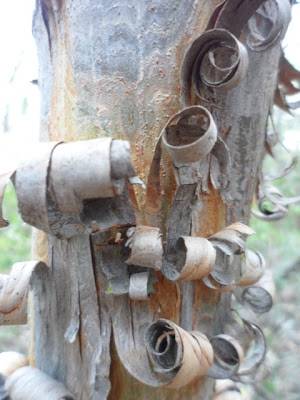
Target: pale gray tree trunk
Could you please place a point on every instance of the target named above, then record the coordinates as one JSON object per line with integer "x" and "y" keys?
{"x": 112, "y": 68}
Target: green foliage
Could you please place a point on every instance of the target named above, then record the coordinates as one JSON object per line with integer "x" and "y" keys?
{"x": 15, "y": 240}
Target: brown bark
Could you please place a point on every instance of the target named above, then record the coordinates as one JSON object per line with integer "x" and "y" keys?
{"x": 112, "y": 68}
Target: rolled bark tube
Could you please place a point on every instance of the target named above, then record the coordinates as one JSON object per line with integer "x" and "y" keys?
{"x": 146, "y": 249}
{"x": 211, "y": 283}
{"x": 180, "y": 355}
{"x": 29, "y": 383}
{"x": 195, "y": 259}
{"x": 234, "y": 236}
{"x": 227, "y": 242}
{"x": 89, "y": 169}
{"x": 189, "y": 135}
{"x": 31, "y": 183}
{"x": 10, "y": 361}
{"x": 140, "y": 286}
{"x": 272, "y": 204}
{"x": 277, "y": 14}
{"x": 228, "y": 355}
{"x": 252, "y": 268}
{"x": 14, "y": 290}
{"x": 259, "y": 296}
{"x": 215, "y": 59}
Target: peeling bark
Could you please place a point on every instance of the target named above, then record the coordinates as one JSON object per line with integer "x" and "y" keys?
{"x": 113, "y": 69}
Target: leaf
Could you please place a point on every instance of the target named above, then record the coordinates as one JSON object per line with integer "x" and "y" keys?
{"x": 287, "y": 75}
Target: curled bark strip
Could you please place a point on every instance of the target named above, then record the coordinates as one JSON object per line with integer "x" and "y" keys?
{"x": 259, "y": 296}
{"x": 268, "y": 24}
{"x": 31, "y": 184}
{"x": 29, "y": 383}
{"x": 227, "y": 242}
{"x": 231, "y": 360}
{"x": 256, "y": 352}
{"x": 227, "y": 390}
{"x": 234, "y": 14}
{"x": 89, "y": 169}
{"x": 189, "y": 135}
{"x": 228, "y": 354}
{"x": 58, "y": 188}
{"x": 14, "y": 292}
{"x": 233, "y": 235}
{"x": 285, "y": 170}
{"x": 252, "y": 268}
{"x": 195, "y": 258}
{"x": 4, "y": 180}
{"x": 215, "y": 15}
{"x": 10, "y": 361}
{"x": 180, "y": 355}
{"x": 271, "y": 215}
{"x": 215, "y": 59}
{"x": 140, "y": 286}
{"x": 146, "y": 247}
{"x": 272, "y": 204}
{"x": 212, "y": 283}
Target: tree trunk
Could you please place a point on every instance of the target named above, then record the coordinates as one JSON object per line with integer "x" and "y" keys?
{"x": 112, "y": 69}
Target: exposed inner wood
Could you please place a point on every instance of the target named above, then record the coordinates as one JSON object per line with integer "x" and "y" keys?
{"x": 113, "y": 69}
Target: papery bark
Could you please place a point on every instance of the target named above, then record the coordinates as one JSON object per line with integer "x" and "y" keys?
{"x": 113, "y": 69}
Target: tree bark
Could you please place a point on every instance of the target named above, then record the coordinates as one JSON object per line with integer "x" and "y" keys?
{"x": 112, "y": 68}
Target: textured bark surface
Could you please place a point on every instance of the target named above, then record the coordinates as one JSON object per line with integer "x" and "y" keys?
{"x": 112, "y": 68}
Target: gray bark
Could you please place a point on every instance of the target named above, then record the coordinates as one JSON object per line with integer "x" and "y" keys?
{"x": 112, "y": 68}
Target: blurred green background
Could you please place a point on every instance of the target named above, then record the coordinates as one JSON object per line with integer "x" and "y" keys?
{"x": 278, "y": 241}
{"x": 15, "y": 244}
{"x": 15, "y": 241}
